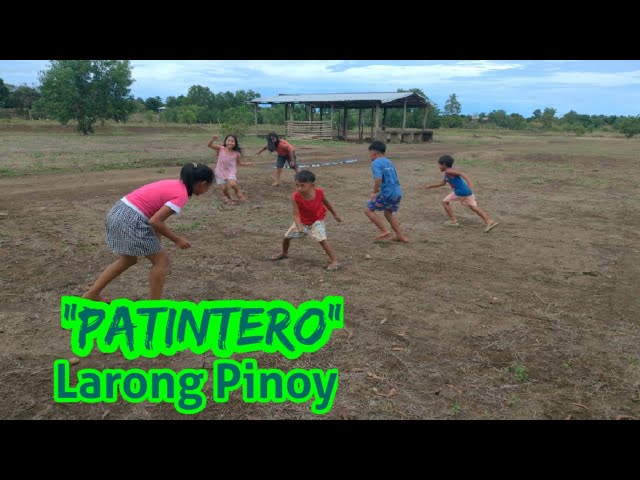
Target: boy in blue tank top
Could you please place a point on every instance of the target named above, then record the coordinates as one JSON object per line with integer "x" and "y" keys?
{"x": 461, "y": 185}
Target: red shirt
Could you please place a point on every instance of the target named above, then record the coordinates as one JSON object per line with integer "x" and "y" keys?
{"x": 310, "y": 210}
{"x": 283, "y": 148}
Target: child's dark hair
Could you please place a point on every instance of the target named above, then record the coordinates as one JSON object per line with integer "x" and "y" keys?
{"x": 305, "y": 176}
{"x": 272, "y": 144}
{"x": 446, "y": 160}
{"x": 192, "y": 173}
{"x": 236, "y": 148}
{"x": 378, "y": 146}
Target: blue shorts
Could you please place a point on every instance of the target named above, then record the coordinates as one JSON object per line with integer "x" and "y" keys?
{"x": 384, "y": 203}
{"x": 280, "y": 161}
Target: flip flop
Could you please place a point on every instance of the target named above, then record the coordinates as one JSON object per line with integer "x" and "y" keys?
{"x": 490, "y": 227}
{"x": 333, "y": 269}
{"x": 275, "y": 258}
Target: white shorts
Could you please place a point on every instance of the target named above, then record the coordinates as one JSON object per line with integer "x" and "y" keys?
{"x": 222, "y": 181}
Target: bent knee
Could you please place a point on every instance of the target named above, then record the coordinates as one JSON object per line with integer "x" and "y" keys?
{"x": 130, "y": 260}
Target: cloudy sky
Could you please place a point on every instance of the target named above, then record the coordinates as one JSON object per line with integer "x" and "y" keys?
{"x": 608, "y": 87}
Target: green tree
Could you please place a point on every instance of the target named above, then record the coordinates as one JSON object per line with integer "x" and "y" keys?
{"x": 4, "y": 93}
{"x": 498, "y": 118}
{"x": 548, "y": 116}
{"x": 452, "y": 106}
{"x": 23, "y": 98}
{"x": 153, "y": 103}
{"x": 629, "y": 126}
{"x": 87, "y": 91}
{"x": 201, "y": 96}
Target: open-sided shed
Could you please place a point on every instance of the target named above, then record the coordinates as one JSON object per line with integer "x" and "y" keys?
{"x": 328, "y": 103}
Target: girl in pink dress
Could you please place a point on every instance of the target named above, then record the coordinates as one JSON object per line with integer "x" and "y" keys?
{"x": 229, "y": 157}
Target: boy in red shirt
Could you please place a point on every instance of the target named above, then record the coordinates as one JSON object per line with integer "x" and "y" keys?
{"x": 309, "y": 209}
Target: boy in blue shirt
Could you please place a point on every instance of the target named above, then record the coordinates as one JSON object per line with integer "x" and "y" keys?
{"x": 462, "y": 193}
{"x": 386, "y": 194}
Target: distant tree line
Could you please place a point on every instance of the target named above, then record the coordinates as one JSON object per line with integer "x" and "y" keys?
{"x": 88, "y": 91}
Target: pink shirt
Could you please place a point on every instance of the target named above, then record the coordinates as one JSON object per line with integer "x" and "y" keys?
{"x": 150, "y": 198}
{"x": 226, "y": 167}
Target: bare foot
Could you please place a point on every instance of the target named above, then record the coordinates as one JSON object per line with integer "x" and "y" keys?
{"x": 278, "y": 256}
{"x": 382, "y": 236}
{"x": 97, "y": 298}
{"x": 228, "y": 201}
{"x": 333, "y": 267}
{"x": 242, "y": 198}
{"x": 402, "y": 239}
{"x": 275, "y": 184}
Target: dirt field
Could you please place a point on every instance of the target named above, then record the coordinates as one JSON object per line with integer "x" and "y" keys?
{"x": 536, "y": 320}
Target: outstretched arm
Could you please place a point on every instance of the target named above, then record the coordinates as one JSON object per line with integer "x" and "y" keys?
{"x": 261, "y": 150}
{"x": 211, "y": 145}
{"x": 330, "y": 208}
{"x": 157, "y": 221}
{"x": 436, "y": 185}
{"x": 240, "y": 162}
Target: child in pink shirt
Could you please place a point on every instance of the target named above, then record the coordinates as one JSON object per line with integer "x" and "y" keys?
{"x": 137, "y": 220}
{"x": 229, "y": 157}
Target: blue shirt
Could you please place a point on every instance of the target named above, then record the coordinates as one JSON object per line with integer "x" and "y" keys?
{"x": 460, "y": 187}
{"x": 382, "y": 167}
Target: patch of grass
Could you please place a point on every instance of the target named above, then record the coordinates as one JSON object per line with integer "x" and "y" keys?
{"x": 533, "y": 180}
{"x": 189, "y": 226}
{"x": 8, "y": 172}
{"x": 519, "y": 371}
{"x": 514, "y": 401}
{"x": 567, "y": 367}
{"x": 456, "y": 408}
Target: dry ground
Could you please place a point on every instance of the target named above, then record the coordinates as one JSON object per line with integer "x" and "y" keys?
{"x": 536, "y": 320}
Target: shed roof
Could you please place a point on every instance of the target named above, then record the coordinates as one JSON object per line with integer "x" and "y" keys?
{"x": 349, "y": 100}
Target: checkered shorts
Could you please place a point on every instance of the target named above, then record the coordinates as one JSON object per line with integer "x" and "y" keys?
{"x": 130, "y": 233}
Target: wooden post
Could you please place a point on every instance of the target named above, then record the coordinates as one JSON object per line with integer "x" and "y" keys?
{"x": 345, "y": 124}
{"x": 378, "y": 123}
{"x": 384, "y": 117}
{"x": 332, "y": 121}
{"x": 404, "y": 119}
{"x": 320, "y": 113}
{"x": 372, "y": 122}
{"x": 360, "y": 126}
{"x": 255, "y": 111}
{"x": 424, "y": 119}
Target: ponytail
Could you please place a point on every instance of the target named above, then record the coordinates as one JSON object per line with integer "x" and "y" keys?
{"x": 193, "y": 173}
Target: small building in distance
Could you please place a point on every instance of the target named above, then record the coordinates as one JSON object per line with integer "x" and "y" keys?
{"x": 329, "y": 104}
